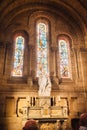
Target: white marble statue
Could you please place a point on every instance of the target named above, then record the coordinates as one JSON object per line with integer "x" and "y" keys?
{"x": 44, "y": 85}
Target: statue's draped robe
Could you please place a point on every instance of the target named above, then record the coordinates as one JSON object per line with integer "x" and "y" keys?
{"x": 44, "y": 85}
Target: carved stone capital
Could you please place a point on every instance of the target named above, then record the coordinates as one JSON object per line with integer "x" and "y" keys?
{"x": 32, "y": 73}
{"x": 1, "y": 44}
{"x": 31, "y": 47}
{"x": 6, "y": 42}
{"x": 80, "y": 49}
{"x": 75, "y": 50}
{"x": 52, "y": 73}
{"x": 83, "y": 49}
{"x": 29, "y": 81}
{"x": 54, "y": 48}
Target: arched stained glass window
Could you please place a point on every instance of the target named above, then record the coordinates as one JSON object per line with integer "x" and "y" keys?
{"x": 18, "y": 57}
{"x": 64, "y": 56}
{"x": 42, "y": 48}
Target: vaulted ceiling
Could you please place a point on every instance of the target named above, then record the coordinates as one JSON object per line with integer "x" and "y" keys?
{"x": 73, "y": 10}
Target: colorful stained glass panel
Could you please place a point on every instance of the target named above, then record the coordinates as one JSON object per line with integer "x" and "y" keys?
{"x": 42, "y": 49}
{"x": 64, "y": 59}
{"x": 18, "y": 57}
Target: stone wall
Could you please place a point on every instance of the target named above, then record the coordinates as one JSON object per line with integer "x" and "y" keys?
{"x": 22, "y": 20}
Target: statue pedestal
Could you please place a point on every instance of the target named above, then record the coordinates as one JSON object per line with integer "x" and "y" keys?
{"x": 45, "y": 103}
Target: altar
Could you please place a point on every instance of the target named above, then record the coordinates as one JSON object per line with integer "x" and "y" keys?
{"x": 43, "y": 107}
{"x": 49, "y": 112}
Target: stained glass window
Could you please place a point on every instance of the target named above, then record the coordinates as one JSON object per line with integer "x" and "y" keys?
{"x": 42, "y": 49}
{"x": 64, "y": 59}
{"x": 18, "y": 57}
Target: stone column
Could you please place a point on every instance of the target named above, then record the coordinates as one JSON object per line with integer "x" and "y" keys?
{"x": 15, "y": 106}
{"x": 54, "y": 66}
{"x": 2, "y": 58}
{"x": 83, "y": 54}
{"x": 72, "y": 113}
{"x": 2, "y": 106}
{"x": 7, "y": 61}
{"x": 85, "y": 40}
{"x": 53, "y": 61}
{"x": 31, "y": 68}
{"x": 76, "y": 53}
